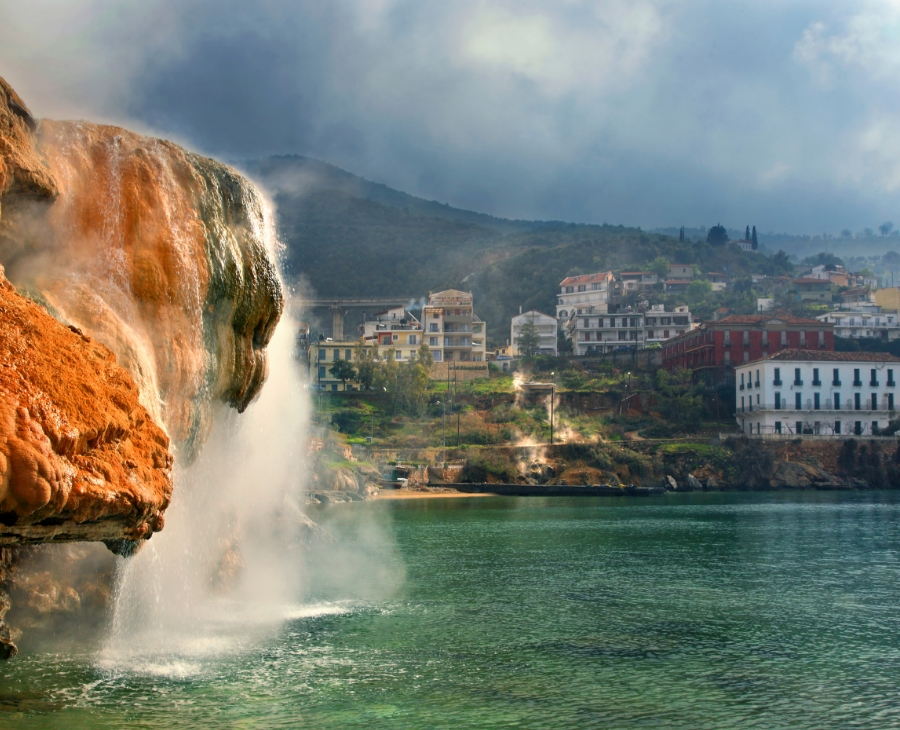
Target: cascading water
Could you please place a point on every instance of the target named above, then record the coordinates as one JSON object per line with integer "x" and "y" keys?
{"x": 227, "y": 565}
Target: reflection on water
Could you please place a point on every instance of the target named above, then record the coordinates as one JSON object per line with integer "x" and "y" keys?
{"x": 688, "y": 611}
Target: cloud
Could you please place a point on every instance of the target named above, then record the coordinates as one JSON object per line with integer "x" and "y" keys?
{"x": 645, "y": 112}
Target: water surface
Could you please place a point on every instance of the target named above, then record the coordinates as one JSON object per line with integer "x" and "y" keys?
{"x": 684, "y": 611}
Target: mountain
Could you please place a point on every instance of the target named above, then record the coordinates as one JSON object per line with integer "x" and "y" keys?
{"x": 348, "y": 237}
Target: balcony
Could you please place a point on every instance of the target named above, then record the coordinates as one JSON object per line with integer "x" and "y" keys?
{"x": 873, "y": 383}
{"x": 826, "y": 405}
{"x": 817, "y": 382}
{"x": 777, "y": 381}
{"x": 857, "y": 383}
{"x": 836, "y": 383}
{"x": 798, "y": 382}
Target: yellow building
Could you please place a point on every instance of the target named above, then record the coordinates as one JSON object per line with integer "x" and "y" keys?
{"x": 323, "y": 354}
{"x": 888, "y": 298}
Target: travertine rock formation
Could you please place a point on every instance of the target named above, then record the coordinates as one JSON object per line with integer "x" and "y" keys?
{"x": 158, "y": 253}
{"x": 80, "y": 457}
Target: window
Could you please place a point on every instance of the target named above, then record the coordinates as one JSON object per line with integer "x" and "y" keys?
{"x": 799, "y": 426}
{"x": 784, "y": 340}
{"x": 348, "y": 355}
{"x": 777, "y": 380}
{"x": 322, "y": 372}
{"x": 874, "y": 428}
{"x": 742, "y": 403}
{"x": 816, "y": 380}
{"x": 742, "y": 381}
{"x": 334, "y": 386}
{"x": 837, "y": 428}
{"x": 873, "y": 377}
{"x": 395, "y": 338}
{"x": 890, "y": 377}
{"x": 816, "y": 404}
{"x": 777, "y": 426}
{"x": 413, "y": 340}
{"x": 585, "y": 325}
{"x": 757, "y": 378}
{"x": 857, "y": 402}
{"x": 438, "y": 356}
{"x": 727, "y": 358}
{"x": 448, "y": 342}
{"x": 798, "y": 401}
{"x": 335, "y": 355}
{"x": 581, "y": 288}
{"x": 857, "y": 428}
{"x": 433, "y": 327}
{"x": 746, "y": 357}
{"x": 837, "y": 401}
{"x": 570, "y": 289}
{"x": 856, "y": 381}
{"x": 836, "y": 377}
{"x": 874, "y": 401}
{"x": 727, "y": 336}
{"x": 432, "y": 341}
{"x": 778, "y": 401}
{"x": 821, "y": 338}
{"x": 890, "y": 404}
{"x": 757, "y": 399}
{"x": 322, "y": 353}
{"x": 797, "y": 379}
{"x": 746, "y": 338}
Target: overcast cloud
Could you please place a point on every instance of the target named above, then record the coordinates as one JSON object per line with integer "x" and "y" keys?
{"x": 645, "y": 112}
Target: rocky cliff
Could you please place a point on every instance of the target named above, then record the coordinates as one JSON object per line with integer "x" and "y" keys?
{"x": 158, "y": 253}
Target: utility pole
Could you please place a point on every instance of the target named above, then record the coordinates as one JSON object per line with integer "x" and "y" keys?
{"x": 552, "y": 398}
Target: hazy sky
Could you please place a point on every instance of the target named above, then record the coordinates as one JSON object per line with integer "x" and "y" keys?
{"x": 784, "y": 114}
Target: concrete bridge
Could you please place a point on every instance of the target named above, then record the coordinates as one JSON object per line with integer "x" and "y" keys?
{"x": 341, "y": 306}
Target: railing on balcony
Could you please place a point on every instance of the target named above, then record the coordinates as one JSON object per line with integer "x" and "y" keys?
{"x": 826, "y": 405}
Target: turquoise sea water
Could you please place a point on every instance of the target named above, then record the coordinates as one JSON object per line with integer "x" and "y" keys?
{"x": 687, "y": 611}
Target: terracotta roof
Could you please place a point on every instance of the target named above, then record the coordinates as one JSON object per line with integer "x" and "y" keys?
{"x": 781, "y": 314}
{"x": 585, "y": 278}
{"x": 826, "y": 356}
{"x": 634, "y": 273}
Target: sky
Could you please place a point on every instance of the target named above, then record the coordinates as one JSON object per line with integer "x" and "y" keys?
{"x": 784, "y": 114}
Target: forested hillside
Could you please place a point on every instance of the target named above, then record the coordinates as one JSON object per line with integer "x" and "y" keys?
{"x": 349, "y": 237}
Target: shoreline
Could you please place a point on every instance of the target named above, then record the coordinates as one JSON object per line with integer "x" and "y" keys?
{"x": 416, "y": 494}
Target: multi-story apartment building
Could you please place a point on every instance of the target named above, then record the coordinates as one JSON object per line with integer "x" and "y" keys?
{"x": 323, "y": 354}
{"x": 871, "y": 322}
{"x": 636, "y": 280}
{"x": 588, "y": 293}
{"x": 394, "y": 328}
{"x": 627, "y": 329}
{"x": 740, "y": 338}
{"x": 813, "y": 392}
{"x": 452, "y": 330}
{"x": 545, "y": 329}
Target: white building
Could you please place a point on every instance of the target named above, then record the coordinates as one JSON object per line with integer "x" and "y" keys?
{"x": 452, "y": 330}
{"x": 868, "y": 322}
{"x": 586, "y": 293}
{"x": 628, "y": 329}
{"x": 545, "y": 328}
{"x": 815, "y": 392}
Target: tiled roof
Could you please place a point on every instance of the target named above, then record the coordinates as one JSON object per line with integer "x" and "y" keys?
{"x": 826, "y": 356}
{"x": 586, "y": 278}
{"x": 780, "y": 314}
{"x": 635, "y": 273}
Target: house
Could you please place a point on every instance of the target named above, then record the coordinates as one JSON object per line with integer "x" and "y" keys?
{"x": 636, "y": 280}
{"x": 681, "y": 271}
{"x": 719, "y": 280}
{"x": 585, "y": 293}
{"x": 857, "y": 295}
{"x": 812, "y": 290}
{"x": 743, "y": 244}
{"x": 323, "y": 354}
{"x": 863, "y": 323}
{"x": 676, "y": 285}
{"x": 545, "y": 329}
{"x": 888, "y": 298}
{"x": 816, "y": 392}
{"x": 395, "y": 329}
{"x": 452, "y": 330}
{"x": 633, "y": 330}
{"x": 721, "y": 345}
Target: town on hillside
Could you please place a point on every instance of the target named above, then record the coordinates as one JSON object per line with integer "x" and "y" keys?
{"x": 624, "y": 362}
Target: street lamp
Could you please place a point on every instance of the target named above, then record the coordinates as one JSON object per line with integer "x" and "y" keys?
{"x": 552, "y": 398}
{"x": 443, "y": 433}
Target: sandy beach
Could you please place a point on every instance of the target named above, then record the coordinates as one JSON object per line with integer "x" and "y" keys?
{"x": 415, "y": 494}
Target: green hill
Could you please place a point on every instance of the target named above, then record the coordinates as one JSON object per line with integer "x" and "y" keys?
{"x": 350, "y": 237}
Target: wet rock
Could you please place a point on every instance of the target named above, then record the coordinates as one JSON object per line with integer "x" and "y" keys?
{"x": 693, "y": 484}
{"x": 670, "y": 483}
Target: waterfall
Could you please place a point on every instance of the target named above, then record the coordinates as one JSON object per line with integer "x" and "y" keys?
{"x": 227, "y": 565}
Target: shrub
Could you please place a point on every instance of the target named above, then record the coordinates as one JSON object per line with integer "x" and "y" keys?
{"x": 481, "y": 465}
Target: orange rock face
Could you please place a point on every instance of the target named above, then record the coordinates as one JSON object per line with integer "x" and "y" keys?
{"x": 156, "y": 252}
{"x": 80, "y": 457}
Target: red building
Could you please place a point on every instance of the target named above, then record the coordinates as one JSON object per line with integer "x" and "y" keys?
{"x": 741, "y": 338}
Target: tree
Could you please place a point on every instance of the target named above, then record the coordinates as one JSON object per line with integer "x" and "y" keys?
{"x": 886, "y": 228}
{"x": 698, "y": 291}
{"x": 754, "y": 239}
{"x": 747, "y": 233}
{"x": 529, "y": 339}
{"x": 659, "y": 266}
{"x": 343, "y": 370}
{"x": 717, "y": 235}
{"x": 366, "y": 361}
{"x": 846, "y": 233}
{"x": 678, "y": 400}
{"x": 681, "y": 234}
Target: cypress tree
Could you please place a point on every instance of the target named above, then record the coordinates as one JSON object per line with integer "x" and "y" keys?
{"x": 747, "y": 234}
{"x": 755, "y": 242}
